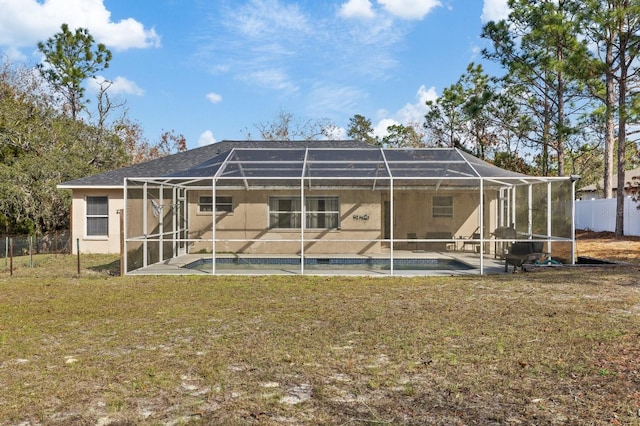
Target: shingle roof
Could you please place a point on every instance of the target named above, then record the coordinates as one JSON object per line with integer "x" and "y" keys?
{"x": 187, "y": 159}
{"x": 629, "y": 176}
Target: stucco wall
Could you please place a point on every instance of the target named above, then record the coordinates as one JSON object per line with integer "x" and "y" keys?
{"x": 95, "y": 244}
{"x": 360, "y": 218}
{"x": 413, "y": 214}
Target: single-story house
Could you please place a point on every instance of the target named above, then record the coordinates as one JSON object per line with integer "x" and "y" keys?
{"x": 596, "y": 190}
{"x": 313, "y": 205}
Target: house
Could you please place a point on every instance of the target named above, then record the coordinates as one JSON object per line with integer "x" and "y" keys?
{"x": 595, "y": 191}
{"x": 315, "y": 203}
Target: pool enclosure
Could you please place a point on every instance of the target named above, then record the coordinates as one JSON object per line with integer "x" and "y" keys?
{"x": 317, "y": 209}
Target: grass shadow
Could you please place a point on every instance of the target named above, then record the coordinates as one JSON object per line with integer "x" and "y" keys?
{"x": 110, "y": 268}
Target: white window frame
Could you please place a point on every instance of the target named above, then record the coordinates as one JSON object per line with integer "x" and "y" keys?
{"x": 295, "y": 213}
{"x": 90, "y": 216}
{"x": 315, "y": 215}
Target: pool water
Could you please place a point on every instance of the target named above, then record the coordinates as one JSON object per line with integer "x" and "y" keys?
{"x": 336, "y": 264}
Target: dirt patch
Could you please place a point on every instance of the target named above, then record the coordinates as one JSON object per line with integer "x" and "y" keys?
{"x": 605, "y": 245}
{"x": 600, "y": 245}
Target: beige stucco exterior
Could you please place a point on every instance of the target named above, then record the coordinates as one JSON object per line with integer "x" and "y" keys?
{"x": 362, "y": 217}
{"x": 362, "y": 220}
{"x": 96, "y": 244}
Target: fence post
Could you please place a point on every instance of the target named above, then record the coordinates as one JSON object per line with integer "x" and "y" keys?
{"x": 78, "y": 250}
{"x": 11, "y": 256}
{"x": 31, "y": 251}
{"x": 6, "y": 252}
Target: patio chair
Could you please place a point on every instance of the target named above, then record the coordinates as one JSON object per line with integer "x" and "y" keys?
{"x": 524, "y": 252}
{"x": 437, "y": 246}
{"x": 503, "y": 233}
{"x": 475, "y": 245}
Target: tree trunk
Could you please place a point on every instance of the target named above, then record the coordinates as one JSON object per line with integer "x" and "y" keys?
{"x": 609, "y": 141}
{"x": 560, "y": 131}
{"x": 622, "y": 129}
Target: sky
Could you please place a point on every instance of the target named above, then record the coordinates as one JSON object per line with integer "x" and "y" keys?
{"x": 212, "y": 70}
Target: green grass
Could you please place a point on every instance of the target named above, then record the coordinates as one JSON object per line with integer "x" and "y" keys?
{"x": 539, "y": 348}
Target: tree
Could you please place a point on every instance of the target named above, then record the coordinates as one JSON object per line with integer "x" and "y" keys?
{"x": 69, "y": 59}
{"x": 445, "y": 121}
{"x": 360, "y": 129}
{"x": 287, "y": 127}
{"x": 613, "y": 26}
{"x": 461, "y": 116}
{"x": 538, "y": 47}
{"x": 400, "y": 136}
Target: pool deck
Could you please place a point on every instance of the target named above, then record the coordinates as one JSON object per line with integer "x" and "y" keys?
{"x": 176, "y": 266}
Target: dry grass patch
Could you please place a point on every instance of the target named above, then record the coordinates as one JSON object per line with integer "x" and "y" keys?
{"x": 551, "y": 347}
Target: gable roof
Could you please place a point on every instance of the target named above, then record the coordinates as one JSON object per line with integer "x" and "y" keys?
{"x": 629, "y": 175}
{"x": 185, "y": 160}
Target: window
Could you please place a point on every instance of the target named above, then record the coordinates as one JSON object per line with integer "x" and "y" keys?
{"x": 284, "y": 212}
{"x": 97, "y": 216}
{"x": 442, "y": 207}
{"x": 224, "y": 204}
{"x": 321, "y": 212}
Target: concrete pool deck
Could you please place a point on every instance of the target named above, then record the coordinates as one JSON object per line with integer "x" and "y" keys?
{"x": 177, "y": 265}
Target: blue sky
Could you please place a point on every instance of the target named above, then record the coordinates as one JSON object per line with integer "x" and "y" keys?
{"x": 212, "y": 69}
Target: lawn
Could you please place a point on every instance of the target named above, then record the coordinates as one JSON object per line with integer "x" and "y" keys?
{"x": 557, "y": 346}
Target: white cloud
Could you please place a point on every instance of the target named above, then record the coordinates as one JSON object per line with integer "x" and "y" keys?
{"x": 337, "y": 134}
{"x": 414, "y": 113}
{"x": 214, "y": 98}
{"x": 411, "y": 114}
{"x": 325, "y": 99}
{"x": 409, "y": 9}
{"x": 24, "y": 22}
{"x": 119, "y": 85}
{"x": 14, "y": 55}
{"x": 259, "y": 18}
{"x": 270, "y": 78}
{"x": 494, "y": 10}
{"x": 357, "y": 9}
{"x": 124, "y": 85}
{"x": 206, "y": 138}
{"x": 380, "y": 129}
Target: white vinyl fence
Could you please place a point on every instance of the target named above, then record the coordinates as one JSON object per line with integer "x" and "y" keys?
{"x": 600, "y": 215}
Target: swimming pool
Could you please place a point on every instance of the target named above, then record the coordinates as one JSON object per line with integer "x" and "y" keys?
{"x": 326, "y": 264}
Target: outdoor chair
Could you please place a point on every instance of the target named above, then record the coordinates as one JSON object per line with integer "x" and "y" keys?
{"x": 475, "y": 245}
{"x": 437, "y": 245}
{"x": 503, "y": 233}
{"x": 523, "y": 252}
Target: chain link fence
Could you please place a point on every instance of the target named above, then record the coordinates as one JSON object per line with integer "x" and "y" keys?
{"x": 23, "y": 245}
